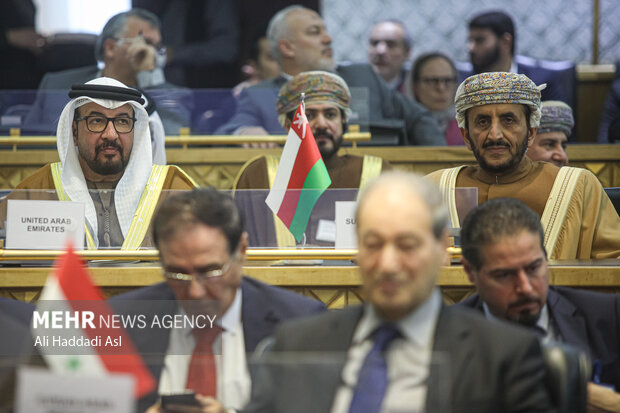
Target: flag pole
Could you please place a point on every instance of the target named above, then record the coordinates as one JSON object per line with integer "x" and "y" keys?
{"x": 303, "y": 108}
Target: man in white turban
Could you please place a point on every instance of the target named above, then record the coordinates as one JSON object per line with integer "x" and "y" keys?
{"x": 106, "y": 163}
{"x": 556, "y": 125}
{"x": 499, "y": 114}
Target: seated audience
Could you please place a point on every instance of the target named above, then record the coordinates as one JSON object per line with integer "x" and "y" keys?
{"x": 381, "y": 354}
{"x": 201, "y": 39}
{"x": 498, "y": 115}
{"x": 556, "y": 125}
{"x": 389, "y": 47}
{"x": 504, "y": 256}
{"x": 202, "y": 247}
{"x": 260, "y": 65}
{"x": 300, "y": 42}
{"x": 106, "y": 163}
{"x": 130, "y": 49}
{"x": 434, "y": 79}
{"x": 491, "y": 45}
{"x": 20, "y": 45}
{"x": 327, "y": 100}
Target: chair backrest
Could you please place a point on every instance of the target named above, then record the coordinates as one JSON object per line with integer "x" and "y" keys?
{"x": 568, "y": 372}
{"x": 614, "y": 196}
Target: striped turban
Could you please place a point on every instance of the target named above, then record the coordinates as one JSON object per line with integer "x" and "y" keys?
{"x": 318, "y": 86}
{"x": 556, "y": 117}
{"x": 498, "y": 88}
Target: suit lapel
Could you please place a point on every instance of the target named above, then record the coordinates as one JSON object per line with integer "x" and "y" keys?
{"x": 570, "y": 325}
{"x": 337, "y": 341}
{"x": 452, "y": 352}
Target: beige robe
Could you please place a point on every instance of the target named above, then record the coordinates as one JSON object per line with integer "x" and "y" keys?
{"x": 42, "y": 179}
{"x": 591, "y": 229}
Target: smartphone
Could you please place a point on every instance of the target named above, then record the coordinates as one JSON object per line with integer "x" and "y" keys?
{"x": 186, "y": 399}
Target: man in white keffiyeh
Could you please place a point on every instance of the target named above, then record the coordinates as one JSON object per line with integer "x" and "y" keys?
{"x": 104, "y": 148}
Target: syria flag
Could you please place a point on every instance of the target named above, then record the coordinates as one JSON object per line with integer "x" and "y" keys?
{"x": 301, "y": 177}
{"x": 72, "y": 308}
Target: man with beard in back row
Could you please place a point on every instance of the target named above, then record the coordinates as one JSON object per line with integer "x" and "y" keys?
{"x": 327, "y": 99}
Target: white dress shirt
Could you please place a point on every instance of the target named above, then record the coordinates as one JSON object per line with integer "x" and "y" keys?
{"x": 233, "y": 378}
{"x": 408, "y": 358}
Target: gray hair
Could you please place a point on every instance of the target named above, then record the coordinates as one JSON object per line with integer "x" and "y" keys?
{"x": 116, "y": 27}
{"x": 407, "y": 41}
{"x": 418, "y": 185}
{"x": 278, "y": 29}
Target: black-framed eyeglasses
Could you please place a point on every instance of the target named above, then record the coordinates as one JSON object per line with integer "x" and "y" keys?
{"x": 436, "y": 81}
{"x": 160, "y": 49}
{"x": 98, "y": 123}
{"x": 201, "y": 276}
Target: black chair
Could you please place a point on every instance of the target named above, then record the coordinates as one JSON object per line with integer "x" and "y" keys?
{"x": 614, "y": 196}
{"x": 568, "y": 372}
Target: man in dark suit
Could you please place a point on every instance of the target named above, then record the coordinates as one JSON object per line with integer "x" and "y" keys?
{"x": 130, "y": 48}
{"x": 300, "y": 42}
{"x": 202, "y": 248}
{"x": 404, "y": 350}
{"x": 504, "y": 256}
{"x": 491, "y": 47}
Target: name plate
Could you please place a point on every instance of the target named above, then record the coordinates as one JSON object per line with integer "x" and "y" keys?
{"x": 345, "y": 224}
{"x": 41, "y": 391}
{"x": 44, "y": 225}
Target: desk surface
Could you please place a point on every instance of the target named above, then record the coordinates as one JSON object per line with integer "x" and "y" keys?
{"x": 336, "y": 286}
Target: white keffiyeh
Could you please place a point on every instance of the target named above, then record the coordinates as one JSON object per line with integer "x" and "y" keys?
{"x": 130, "y": 187}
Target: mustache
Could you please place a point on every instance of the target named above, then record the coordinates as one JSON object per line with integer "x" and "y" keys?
{"x": 523, "y": 300}
{"x": 498, "y": 143}
{"x": 323, "y": 133}
{"x": 109, "y": 144}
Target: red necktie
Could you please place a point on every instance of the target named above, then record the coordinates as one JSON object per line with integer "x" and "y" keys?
{"x": 202, "y": 377}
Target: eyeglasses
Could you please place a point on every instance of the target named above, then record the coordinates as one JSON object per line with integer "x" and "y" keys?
{"x": 160, "y": 49}
{"x": 200, "y": 276}
{"x": 99, "y": 123}
{"x": 436, "y": 81}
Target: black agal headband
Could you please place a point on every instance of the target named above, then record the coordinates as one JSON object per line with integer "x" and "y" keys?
{"x": 106, "y": 92}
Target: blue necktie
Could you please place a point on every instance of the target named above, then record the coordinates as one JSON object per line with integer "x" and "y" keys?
{"x": 372, "y": 381}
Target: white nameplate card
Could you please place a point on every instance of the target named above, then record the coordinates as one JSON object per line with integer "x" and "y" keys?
{"x": 345, "y": 224}
{"x": 44, "y": 225}
{"x": 42, "y": 391}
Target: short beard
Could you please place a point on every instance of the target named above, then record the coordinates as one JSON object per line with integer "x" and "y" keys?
{"x": 505, "y": 167}
{"x": 528, "y": 319}
{"x": 337, "y": 143}
{"x": 106, "y": 166}
{"x": 488, "y": 60}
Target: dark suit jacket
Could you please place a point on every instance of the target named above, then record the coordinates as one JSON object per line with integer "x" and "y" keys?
{"x": 387, "y": 109}
{"x": 263, "y": 307}
{"x": 585, "y": 319}
{"x": 52, "y": 98}
{"x": 492, "y": 367}
{"x": 15, "y": 345}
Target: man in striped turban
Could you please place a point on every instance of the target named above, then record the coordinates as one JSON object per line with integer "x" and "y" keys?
{"x": 556, "y": 125}
{"x": 499, "y": 115}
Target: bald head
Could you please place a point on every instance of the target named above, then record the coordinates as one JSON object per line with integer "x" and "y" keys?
{"x": 401, "y": 242}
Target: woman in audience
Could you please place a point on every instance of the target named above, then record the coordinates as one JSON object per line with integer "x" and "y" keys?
{"x": 433, "y": 84}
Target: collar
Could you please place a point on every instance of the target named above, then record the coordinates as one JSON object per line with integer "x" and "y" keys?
{"x": 513, "y": 66}
{"x": 333, "y": 162}
{"x": 418, "y": 326}
{"x": 524, "y": 168}
{"x": 286, "y": 76}
{"x": 231, "y": 319}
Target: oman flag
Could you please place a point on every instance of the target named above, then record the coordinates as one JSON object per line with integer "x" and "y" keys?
{"x": 301, "y": 177}
{"x": 72, "y": 308}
